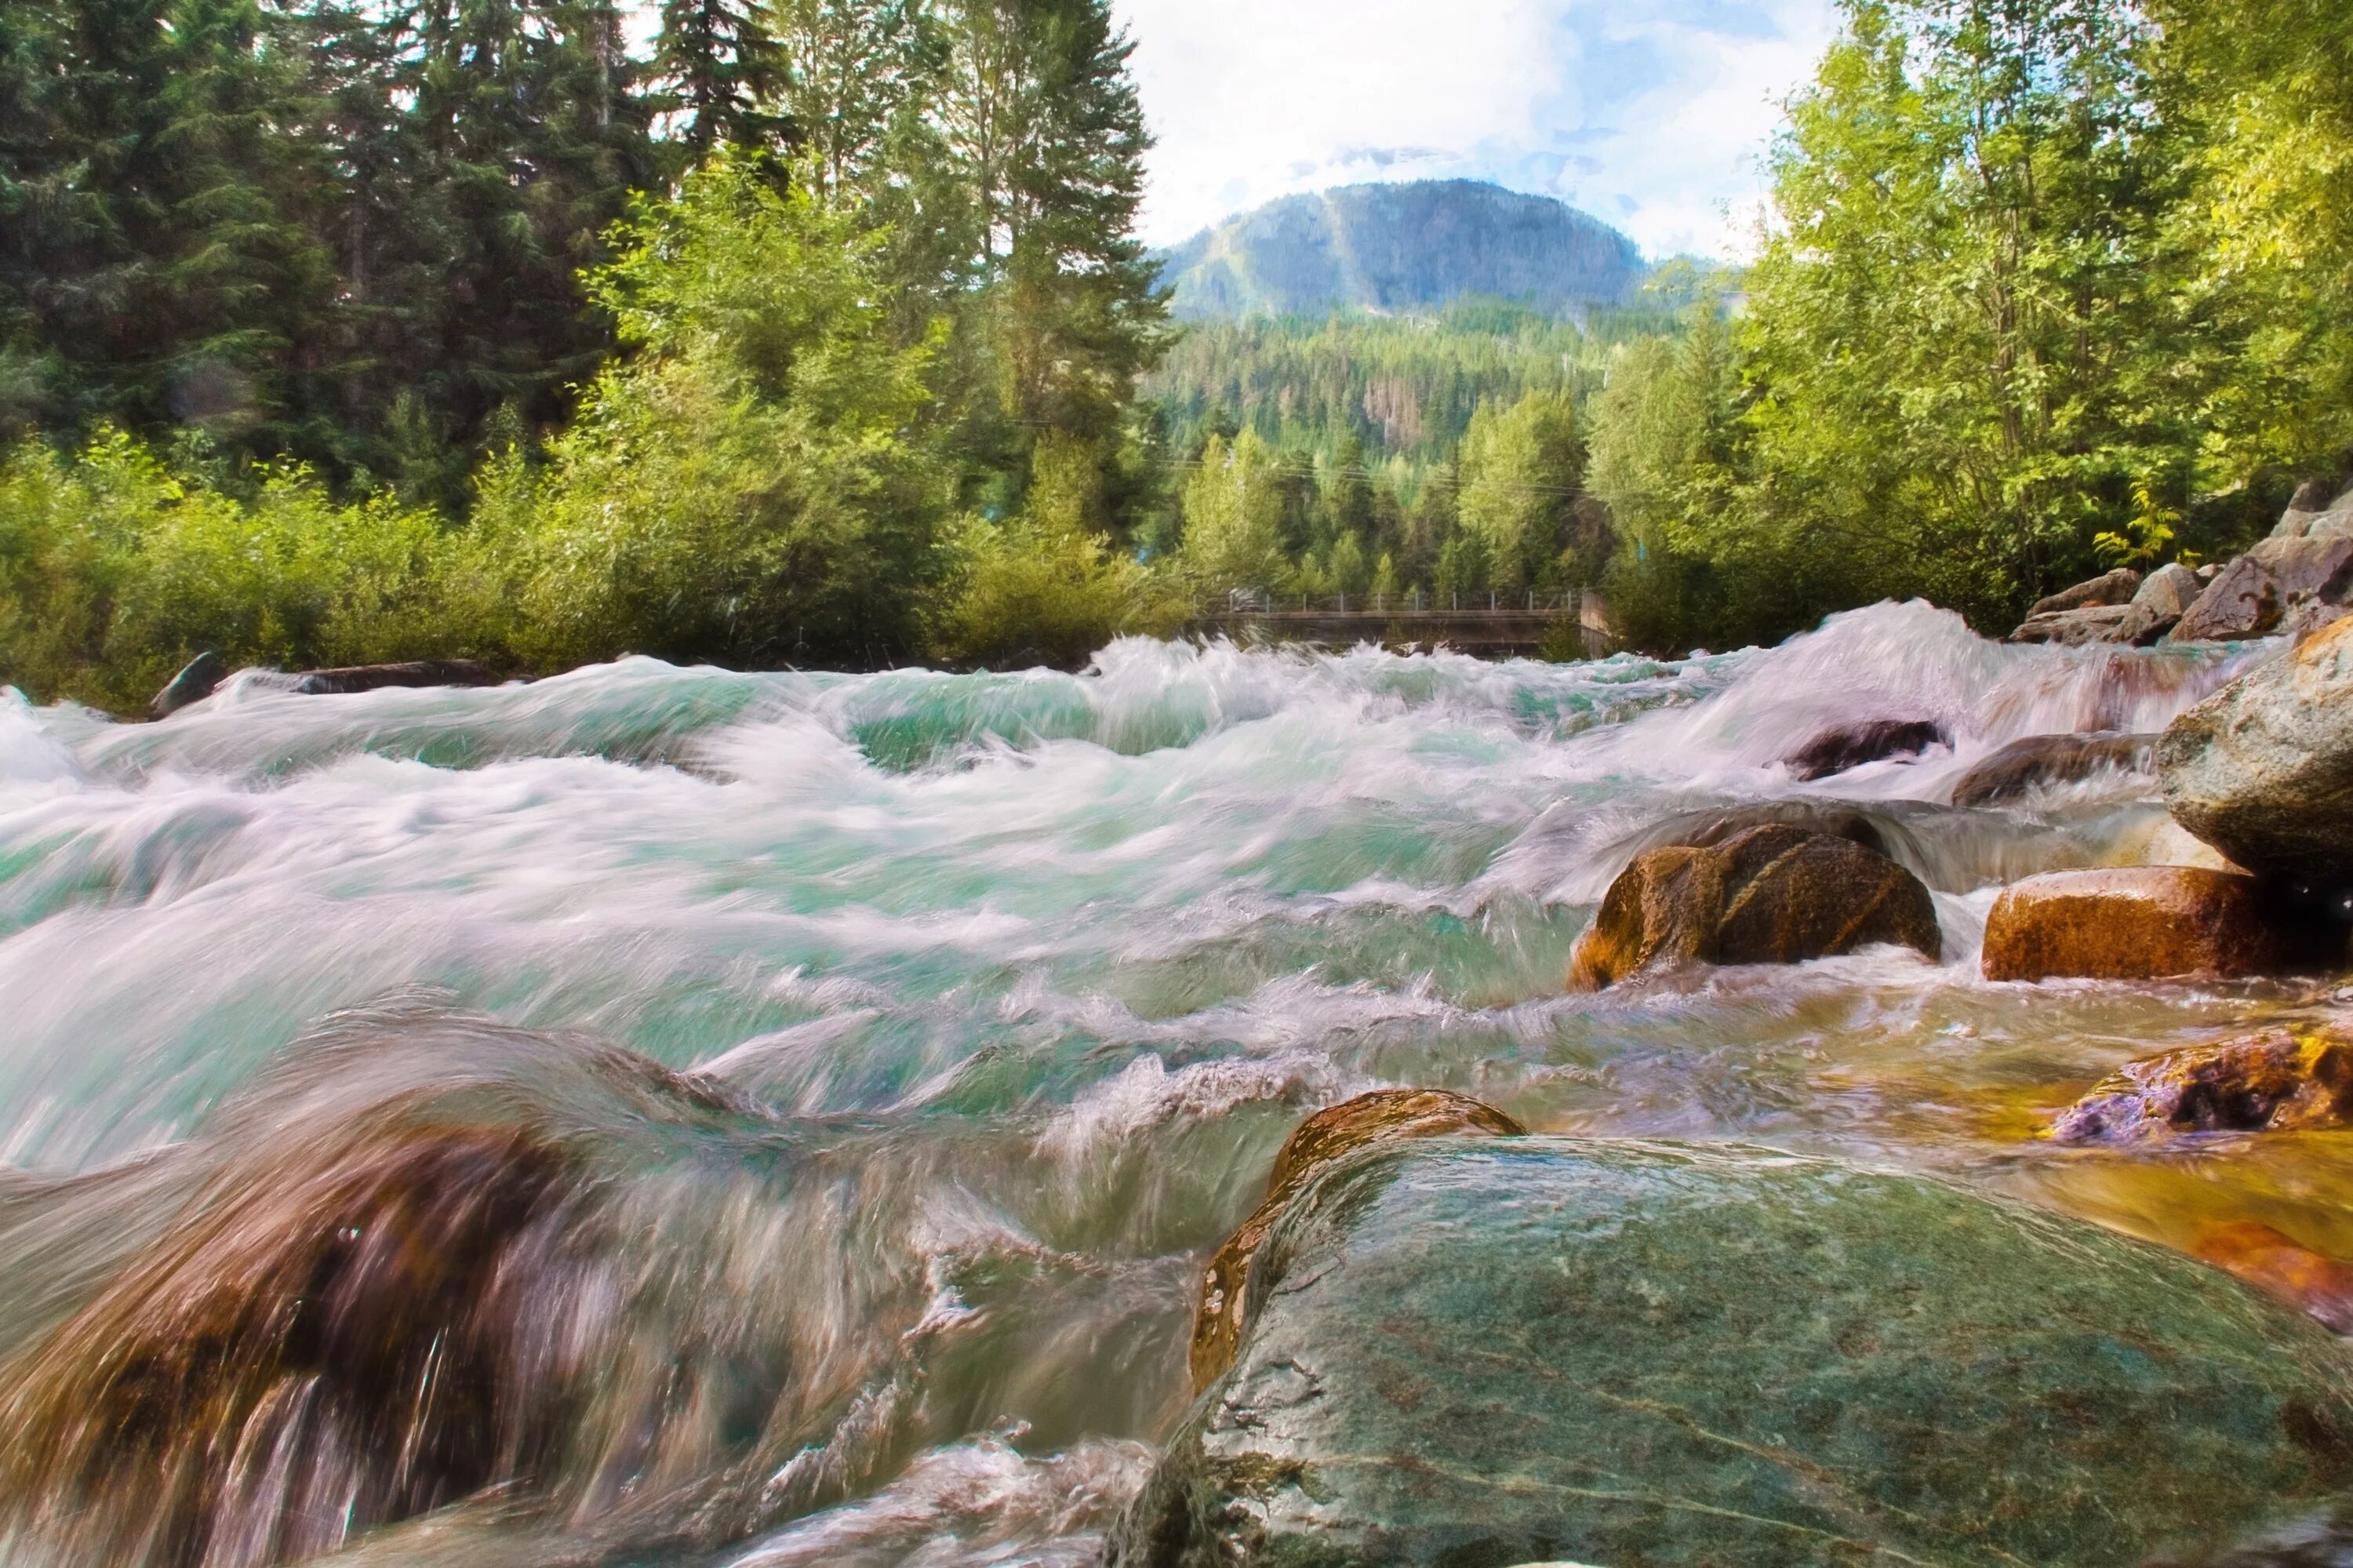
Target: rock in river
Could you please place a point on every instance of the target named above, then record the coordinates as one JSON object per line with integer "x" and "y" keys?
{"x": 2051, "y": 759}
{"x": 1851, "y": 746}
{"x": 2263, "y": 768}
{"x": 1384, "y": 1115}
{"x": 2292, "y": 584}
{"x": 1618, "y": 1352}
{"x": 2272, "y": 1080}
{"x": 2150, "y": 922}
{"x": 1775, "y": 894}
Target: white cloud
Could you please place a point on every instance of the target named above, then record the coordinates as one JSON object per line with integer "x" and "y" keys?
{"x": 1652, "y": 115}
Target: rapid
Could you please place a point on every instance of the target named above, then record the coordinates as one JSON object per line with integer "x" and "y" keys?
{"x": 815, "y": 1095}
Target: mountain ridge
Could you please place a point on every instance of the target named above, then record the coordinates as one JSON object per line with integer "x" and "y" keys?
{"x": 1400, "y": 247}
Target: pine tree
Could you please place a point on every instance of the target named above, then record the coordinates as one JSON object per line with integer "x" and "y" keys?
{"x": 722, "y": 74}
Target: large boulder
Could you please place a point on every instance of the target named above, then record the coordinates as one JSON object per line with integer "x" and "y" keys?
{"x": 197, "y": 680}
{"x": 1851, "y": 745}
{"x": 2262, "y": 770}
{"x": 2051, "y": 759}
{"x": 1774, "y": 894}
{"x": 410, "y": 673}
{"x": 2112, "y": 587}
{"x": 1384, "y": 1115}
{"x": 2276, "y": 1080}
{"x": 2282, "y": 584}
{"x": 2318, "y": 510}
{"x": 1619, "y": 1352}
{"x": 2073, "y": 628}
{"x": 2151, "y": 922}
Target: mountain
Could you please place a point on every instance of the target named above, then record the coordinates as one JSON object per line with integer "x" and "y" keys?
{"x": 1400, "y": 248}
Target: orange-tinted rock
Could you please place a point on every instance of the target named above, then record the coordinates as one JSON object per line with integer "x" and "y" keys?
{"x": 2150, "y": 922}
{"x": 2273, "y": 1081}
{"x": 1384, "y": 1115}
{"x": 2319, "y": 1286}
{"x": 1775, "y": 894}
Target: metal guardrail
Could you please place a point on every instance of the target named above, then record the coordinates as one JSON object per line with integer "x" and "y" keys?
{"x": 1483, "y": 622}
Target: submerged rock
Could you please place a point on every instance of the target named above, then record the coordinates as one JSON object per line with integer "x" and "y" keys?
{"x": 2289, "y": 584}
{"x": 2273, "y": 1081}
{"x": 1851, "y": 746}
{"x": 1775, "y": 894}
{"x": 2262, "y": 770}
{"x": 2150, "y": 922}
{"x": 2315, "y": 1284}
{"x": 1384, "y": 1115}
{"x": 1618, "y": 1352}
{"x": 375, "y": 677}
{"x": 201, "y": 676}
{"x": 2051, "y": 759}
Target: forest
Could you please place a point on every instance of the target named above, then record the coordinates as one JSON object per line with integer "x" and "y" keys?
{"x": 816, "y": 333}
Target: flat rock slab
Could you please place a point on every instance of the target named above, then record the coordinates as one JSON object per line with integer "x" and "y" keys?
{"x": 2151, "y": 922}
{"x": 1629, "y": 1353}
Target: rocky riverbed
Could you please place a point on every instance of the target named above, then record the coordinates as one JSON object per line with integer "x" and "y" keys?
{"x": 1778, "y": 1107}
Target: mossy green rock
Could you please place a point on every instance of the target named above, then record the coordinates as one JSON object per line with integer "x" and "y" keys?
{"x": 1478, "y": 1354}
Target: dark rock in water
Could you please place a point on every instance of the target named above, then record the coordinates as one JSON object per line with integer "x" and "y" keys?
{"x": 1851, "y": 746}
{"x": 2281, "y": 583}
{"x": 1615, "y": 1352}
{"x": 2112, "y": 587}
{"x": 2269, "y": 1082}
{"x": 1764, "y": 896}
{"x": 2151, "y": 922}
{"x": 1384, "y": 1115}
{"x": 2051, "y": 759}
{"x": 192, "y": 684}
{"x": 2315, "y": 1284}
{"x": 374, "y": 677}
{"x": 2262, "y": 770}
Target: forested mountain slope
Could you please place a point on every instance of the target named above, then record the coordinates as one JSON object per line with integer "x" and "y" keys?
{"x": 1401, "y": 248}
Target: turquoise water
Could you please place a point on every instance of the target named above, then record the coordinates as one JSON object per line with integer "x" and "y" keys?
{"x": 1004, "y": 987}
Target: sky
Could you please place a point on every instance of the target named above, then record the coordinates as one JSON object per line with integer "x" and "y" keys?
{"x": 1653, "y": 116}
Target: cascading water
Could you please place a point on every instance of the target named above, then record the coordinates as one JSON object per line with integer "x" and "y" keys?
{"x": 800, "y": 1105}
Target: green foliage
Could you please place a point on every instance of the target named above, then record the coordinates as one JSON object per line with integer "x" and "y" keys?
{"x": 1521, "y": 470}
{"x": 1233, "y": 508}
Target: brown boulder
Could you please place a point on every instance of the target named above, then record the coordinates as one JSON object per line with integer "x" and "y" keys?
{"x": 2149, "y": 922}
{"x": 2075, "y": 628}
{"x": 1851, "y": 746}
{"x": 1384, "y": 1115}
{"x": 2112, "y": 587}
{"x": 2280, "y": 583}
{"x": 2318, "y": 1286}
{"x": 2258, "y": 1083}
{"x": 2051, "y": 759}
{"x": 1764, "y": 896}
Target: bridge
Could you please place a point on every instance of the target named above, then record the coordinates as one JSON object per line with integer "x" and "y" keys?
{"x": 1487, "y": 625}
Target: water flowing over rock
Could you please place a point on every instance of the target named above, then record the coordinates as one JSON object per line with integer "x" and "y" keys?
{"x": 1384, "y": 1115}
{"x": 1850, "y": 746}
{"x": 2277, "y": 1080}
{"x": 1773, "y": 895}
{"x": 2041, "y": 759}
{"x": 1626, "y": 1352}
{"x": 2315, "y": 1284}
{"x": 2293, "y": 584}
{"x": 2151, "y": 922}
{"x": 193, "y": 683}
{"x": 2263, "y": 768}
{"x": 376, "y": 677}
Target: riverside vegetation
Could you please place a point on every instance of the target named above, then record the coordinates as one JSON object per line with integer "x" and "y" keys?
{"x": 811, "y": 333}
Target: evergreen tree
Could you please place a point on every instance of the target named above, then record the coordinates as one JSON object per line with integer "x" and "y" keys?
{"x": 722, "y": 74}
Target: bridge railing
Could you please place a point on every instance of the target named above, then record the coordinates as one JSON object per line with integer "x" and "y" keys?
{"x": 1259, "y": 602}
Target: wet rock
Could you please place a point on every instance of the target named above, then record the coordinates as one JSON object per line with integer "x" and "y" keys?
{"x": 2281, "y": 583}
{"x": 2075, "y": 628}
{"x": 374, "y": 677}
{"x": 1548, "y": 1350}
{"x": 1851, "y": 746}
{"x": 2150, "y": 922}
{"x": 1384, "y": 1115}
{"x": 193, "y": 683}
{"x": 2262, "y": 770}
{"x": 2051, "y": 759}
{"x": 2275, "y": 1081}
{"x": 1774, "y": 894}
{"x": 2315, "y": 1284}
{"x": 2109, "y": 588}
{"x": 1707, "y": 828}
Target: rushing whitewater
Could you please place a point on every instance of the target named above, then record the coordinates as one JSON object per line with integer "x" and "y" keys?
{"x": 827, "y": 1088}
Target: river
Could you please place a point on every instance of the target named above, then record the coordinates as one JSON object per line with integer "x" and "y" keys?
{"x": 986, "y": 1001}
